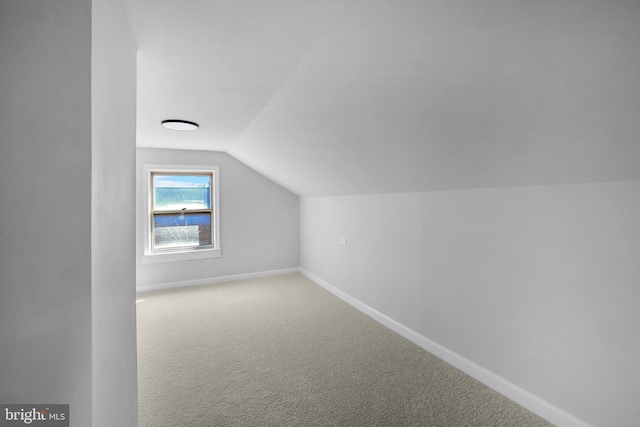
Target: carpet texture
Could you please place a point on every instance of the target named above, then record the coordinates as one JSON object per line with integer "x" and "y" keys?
{"x": 282, "y": 351}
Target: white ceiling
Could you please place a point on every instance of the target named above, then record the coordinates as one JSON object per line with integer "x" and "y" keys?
{"x": 333, "y": 97}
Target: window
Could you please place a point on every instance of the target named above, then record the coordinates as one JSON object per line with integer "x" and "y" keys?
{"x": 182, "y": 213}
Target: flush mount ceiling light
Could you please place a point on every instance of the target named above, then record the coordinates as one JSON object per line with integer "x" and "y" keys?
{"x": 179, "y": 125}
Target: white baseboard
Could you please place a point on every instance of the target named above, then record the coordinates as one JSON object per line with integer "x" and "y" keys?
{"x": 517, "y": 394}
{"x": 213, "y": 280}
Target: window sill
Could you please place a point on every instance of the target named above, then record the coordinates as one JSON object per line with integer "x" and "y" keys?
{"x": 151, "y": 258}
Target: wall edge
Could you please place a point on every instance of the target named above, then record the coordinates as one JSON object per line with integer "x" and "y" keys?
{"x": 214, "y": 280}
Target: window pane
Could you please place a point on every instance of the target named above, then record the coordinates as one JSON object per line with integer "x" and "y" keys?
{"x": 181, "y": 231}
{"x": 175, "y": 192}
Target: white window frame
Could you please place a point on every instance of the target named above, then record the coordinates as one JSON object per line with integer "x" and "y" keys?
{"x": 180, "y": 254}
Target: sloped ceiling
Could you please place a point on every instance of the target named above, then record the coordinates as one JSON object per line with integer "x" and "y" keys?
{"x": 358, "y": 97}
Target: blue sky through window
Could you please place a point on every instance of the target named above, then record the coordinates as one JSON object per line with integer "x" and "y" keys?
{"x": 181, "y": 181}
{"x": 180, "y": 192}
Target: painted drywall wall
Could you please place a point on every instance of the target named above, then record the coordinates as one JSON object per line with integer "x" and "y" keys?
{"x": 113, "y": 270}
{"x": 259, "y": 222}
{"x": 45, "y": 204}
{"x": 537, "y": 284}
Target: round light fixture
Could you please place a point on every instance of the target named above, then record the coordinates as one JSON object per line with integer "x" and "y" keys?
{"x": 179, "y": 125}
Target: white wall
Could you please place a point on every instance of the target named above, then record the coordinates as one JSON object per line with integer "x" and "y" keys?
{"x": 114, "y": 364}
{"x": 67, "y": 316}
{"x": 45, "y": 204}
{"x": 537, "y": 284}
{"x": 259, "y": 222}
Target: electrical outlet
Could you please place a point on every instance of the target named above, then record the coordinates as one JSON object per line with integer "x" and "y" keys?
{"x": 343, "y": 241}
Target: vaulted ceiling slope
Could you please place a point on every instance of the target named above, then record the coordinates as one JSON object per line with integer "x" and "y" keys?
{"x": 333, "y": 97}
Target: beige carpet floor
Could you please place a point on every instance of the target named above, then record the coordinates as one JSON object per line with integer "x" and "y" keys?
{"x": 282, "y": 351}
